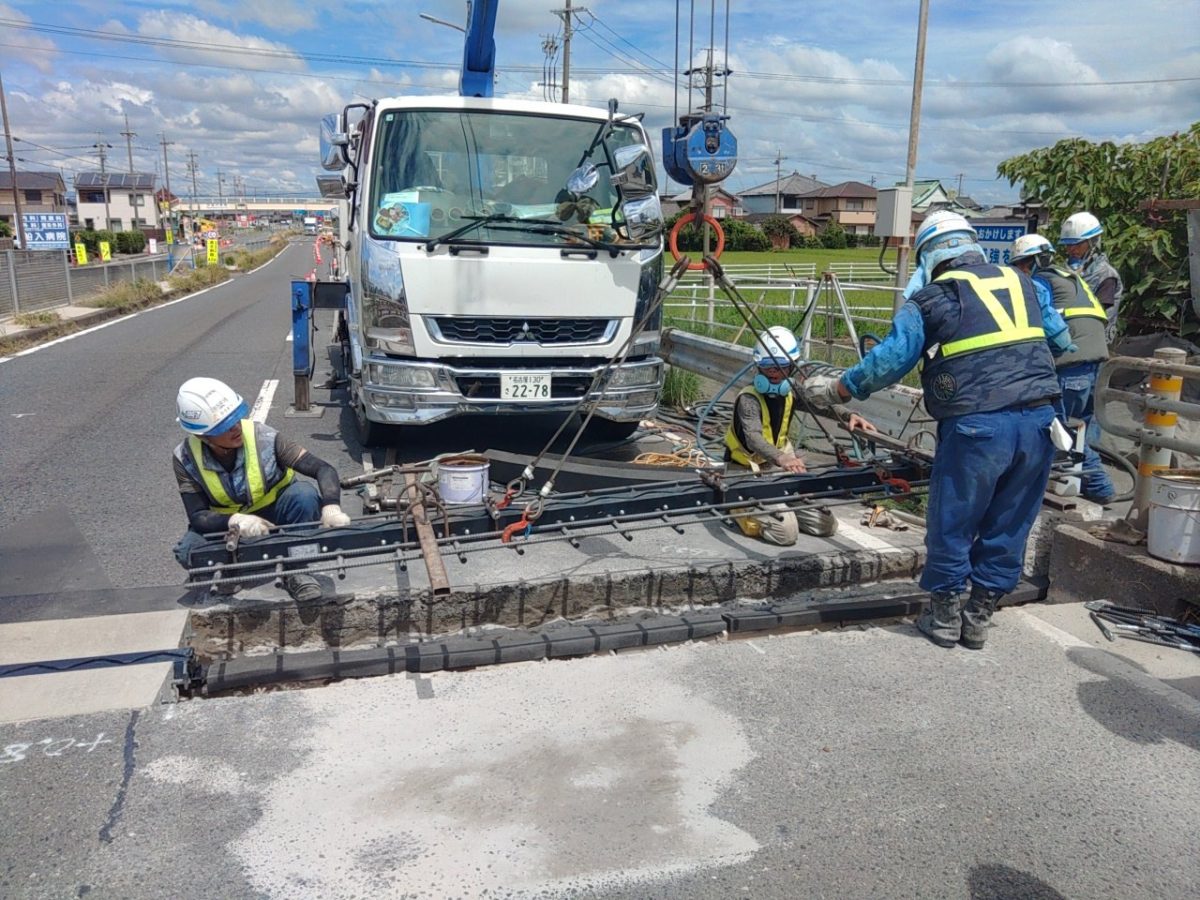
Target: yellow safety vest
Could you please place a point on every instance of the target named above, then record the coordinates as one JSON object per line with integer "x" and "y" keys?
{"x": 1008, "y": 329}
{"x": 1091, "y": 305}
{"x": 737, "y": 452}
{"x": 260, "y": 497}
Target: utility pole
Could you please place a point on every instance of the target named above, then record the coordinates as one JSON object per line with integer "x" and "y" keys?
{"x": 192, "y": 234}
{"x": 960, "y": 178}
{"x": 779, "y": 158}
{"x": 12, "y": 171}
{"x": 220, "y": 185}
{"x": 129, "y": 136}
{"x": 101, "y": 147}
{"x": 166, "y": 169}
{"x": 914, "y": 126}
{"x": 565, "y": 14}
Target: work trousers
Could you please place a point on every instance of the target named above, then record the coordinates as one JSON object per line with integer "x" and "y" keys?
{"x": 1078, "y": 385}
{"x": 988, "y": 478}
{"x": 296, "y": 504}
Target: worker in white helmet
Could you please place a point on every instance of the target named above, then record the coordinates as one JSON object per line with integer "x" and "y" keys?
{"x": 1078, "y": 366}
{"x": 988, "y": 380}
{"x": 235, "y": 472}
{"x": 1080, "y": 240}
{"x": 757, "y": 437}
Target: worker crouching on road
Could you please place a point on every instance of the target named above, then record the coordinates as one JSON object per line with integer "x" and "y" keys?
{"x": 989, "y": 381}
{"x": 1078, "y": 366}
{"x": 757, "y": 438}
{"x": 233, "y": 471}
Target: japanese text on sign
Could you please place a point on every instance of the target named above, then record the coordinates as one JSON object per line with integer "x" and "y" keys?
{"x": 46, "y": 231}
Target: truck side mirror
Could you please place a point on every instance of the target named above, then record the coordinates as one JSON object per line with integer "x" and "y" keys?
{"x": 641, "y": 218}
{"x": 334, "y": 142}
{"x": 583, "y": 179}
{"x": 633, "y": 175}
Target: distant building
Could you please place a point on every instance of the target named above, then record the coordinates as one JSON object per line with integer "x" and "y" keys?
{"x": 40, "y": 192}
{"x": 782, "y": 196}
{"x": 126, "y": 201}
{"x": 805, "y": 226}
{"x": 851, "y": 204}
{"x": 722, "y": 204}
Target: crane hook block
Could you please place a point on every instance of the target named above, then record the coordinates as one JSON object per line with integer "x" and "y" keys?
{"x": 701, "y": 150}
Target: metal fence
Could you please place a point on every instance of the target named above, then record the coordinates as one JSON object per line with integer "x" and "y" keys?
{"x": 34, "y": 280}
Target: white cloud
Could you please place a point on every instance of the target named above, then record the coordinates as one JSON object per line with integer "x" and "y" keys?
{"x": 21, "y": 44}
{"x": 209, "y": 43}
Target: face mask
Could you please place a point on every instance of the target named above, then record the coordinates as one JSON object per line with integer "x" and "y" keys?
{"x": 764, "y": 386}
{"x": 1075, "y": 262}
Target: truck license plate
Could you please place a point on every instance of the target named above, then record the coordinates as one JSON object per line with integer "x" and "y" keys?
{"x": 524, "y": 386}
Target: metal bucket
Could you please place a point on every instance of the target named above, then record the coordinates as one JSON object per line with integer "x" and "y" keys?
{"x": 1173, "y": 533}
{"x": 463, "y": 479}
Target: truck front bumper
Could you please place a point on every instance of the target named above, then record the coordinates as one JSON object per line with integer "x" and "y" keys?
{"x": 410, "y": 392}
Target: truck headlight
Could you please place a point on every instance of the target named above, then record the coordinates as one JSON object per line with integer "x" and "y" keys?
{"x": 401, "y": 376}
{"x": 634, "y": 376}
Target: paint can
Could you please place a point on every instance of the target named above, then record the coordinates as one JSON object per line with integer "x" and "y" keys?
{"x": 463, "y": 479}
{"x": 1173, "y": 532}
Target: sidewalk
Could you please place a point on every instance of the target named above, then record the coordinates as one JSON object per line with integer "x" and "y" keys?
{"x": 79, "y": 315}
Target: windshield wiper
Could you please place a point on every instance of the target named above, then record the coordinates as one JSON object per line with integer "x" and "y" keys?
{"x": 516, "y": 223}
{"x": 479, "y": 222}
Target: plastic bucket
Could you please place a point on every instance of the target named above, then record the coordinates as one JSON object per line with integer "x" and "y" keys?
{"x": 463, "y": 479}
{"x": 1173, "y": 533}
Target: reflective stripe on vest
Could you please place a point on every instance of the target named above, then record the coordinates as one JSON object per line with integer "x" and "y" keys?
{"x": 737, "y": 452}
{"x": 260, "y": 498}
{"x": 1089, "y": 305}
{"x": 1009, "y": 329}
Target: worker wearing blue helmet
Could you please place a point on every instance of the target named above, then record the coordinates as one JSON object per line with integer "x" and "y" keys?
{"x": 989, "y": 381}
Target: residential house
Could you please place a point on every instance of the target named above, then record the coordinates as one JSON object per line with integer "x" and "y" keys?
{"x": 39, "y": 192}
{"x": 127, "y": 201}
{"x": 929, "y": 196}
{"x": 851, "y": 204}
{"x": 722, "y": 204}
{"x": 781, "y": 195}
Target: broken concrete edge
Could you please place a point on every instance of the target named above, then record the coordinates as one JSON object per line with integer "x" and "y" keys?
{"x": 570, "y": 639}
{"x": 238, "y": 627}
{"x": 1084, "y": 567}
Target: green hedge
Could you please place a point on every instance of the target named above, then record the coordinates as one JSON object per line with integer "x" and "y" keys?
{"x": 118, "y": 241}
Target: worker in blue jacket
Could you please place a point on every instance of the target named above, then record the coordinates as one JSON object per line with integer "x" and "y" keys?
{"x": 989, "y": 381}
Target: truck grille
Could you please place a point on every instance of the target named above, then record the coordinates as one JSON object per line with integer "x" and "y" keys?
{"x": 487, "y": 387}
{"x": 470, "y": 330}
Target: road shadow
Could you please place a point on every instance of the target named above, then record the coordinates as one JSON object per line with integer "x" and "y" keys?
{"x": 1133, "y": 710}
{"x": 995, "y": 881}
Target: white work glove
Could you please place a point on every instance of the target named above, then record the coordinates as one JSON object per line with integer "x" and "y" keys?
{"x": 821, "y": 391}
{"x": 248, "y": 525}
{"x": 333, "y": 517}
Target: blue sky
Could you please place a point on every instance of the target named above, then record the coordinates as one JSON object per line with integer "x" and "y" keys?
{"x": 825, "y": 84}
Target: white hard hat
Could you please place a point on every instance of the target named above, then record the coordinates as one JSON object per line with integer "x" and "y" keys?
{"x": 776, "y": 346}
{"x": 940, "y": 225}
{"x": 1028, "y": 245}
{"x": 1082, "y": 226}
{"x": 209, "y": 407}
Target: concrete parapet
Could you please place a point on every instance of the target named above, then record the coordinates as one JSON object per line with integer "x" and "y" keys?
{"x": 1083, "y": 567}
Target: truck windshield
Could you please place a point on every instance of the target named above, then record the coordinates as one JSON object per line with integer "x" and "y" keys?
{"x": 438, "y": 170}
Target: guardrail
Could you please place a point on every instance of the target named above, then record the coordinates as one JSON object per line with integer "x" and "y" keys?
{"x": 1160, "y": 407}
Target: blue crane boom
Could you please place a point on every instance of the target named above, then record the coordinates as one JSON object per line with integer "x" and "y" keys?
{"x": 479, "y": 51}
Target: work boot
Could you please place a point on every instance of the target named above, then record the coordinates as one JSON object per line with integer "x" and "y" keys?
{"x": 302, "y": 588}
{"x": 977, "y": 616}
{"x": 940, "y": 620}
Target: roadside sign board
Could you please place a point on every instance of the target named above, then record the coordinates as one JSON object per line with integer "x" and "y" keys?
{"x": 170, "y": 236}
{"x": 105, "y": 251}
{"x": 46, "y": 231}
{"x": 213, "y": 250}
{"x": 81, "y": 254}
{"x": 153, "y": 245}
{"x": 997, "y": 240}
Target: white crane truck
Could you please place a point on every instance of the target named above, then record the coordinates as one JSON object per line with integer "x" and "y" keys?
{"x": 497, "y": 253}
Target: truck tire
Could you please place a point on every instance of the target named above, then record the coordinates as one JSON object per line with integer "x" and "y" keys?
{"x": 606, "y": 431}
{"x": 370, "y": 434}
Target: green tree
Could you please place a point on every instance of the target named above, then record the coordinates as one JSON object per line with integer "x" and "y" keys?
{"x": 781, "y": 231}
{"x": 833, "y": 236}
{"x": 5, "y": 229}
{"x": 1114, "y": 182}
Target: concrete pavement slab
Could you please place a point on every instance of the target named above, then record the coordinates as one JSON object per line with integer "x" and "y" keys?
{"x": 855, "y": 763}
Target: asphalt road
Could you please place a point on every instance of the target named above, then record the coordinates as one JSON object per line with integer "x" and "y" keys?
{"x": 87, "y": 425}
{"x": 851, "y": 764}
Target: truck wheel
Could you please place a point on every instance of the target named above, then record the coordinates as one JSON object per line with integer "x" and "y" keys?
{"x": 605, "y": 431}
{"x": 370, "y": 434}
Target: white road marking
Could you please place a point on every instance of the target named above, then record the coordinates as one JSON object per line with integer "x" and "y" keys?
{"x": 289, "y": 337}
{"x": 863, "y": 537}
{"x": 1064, "y": 639}
{"x": 78, "y": 334}
{"x": 262, "y": 405}
{"x": 757, "y": 649}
